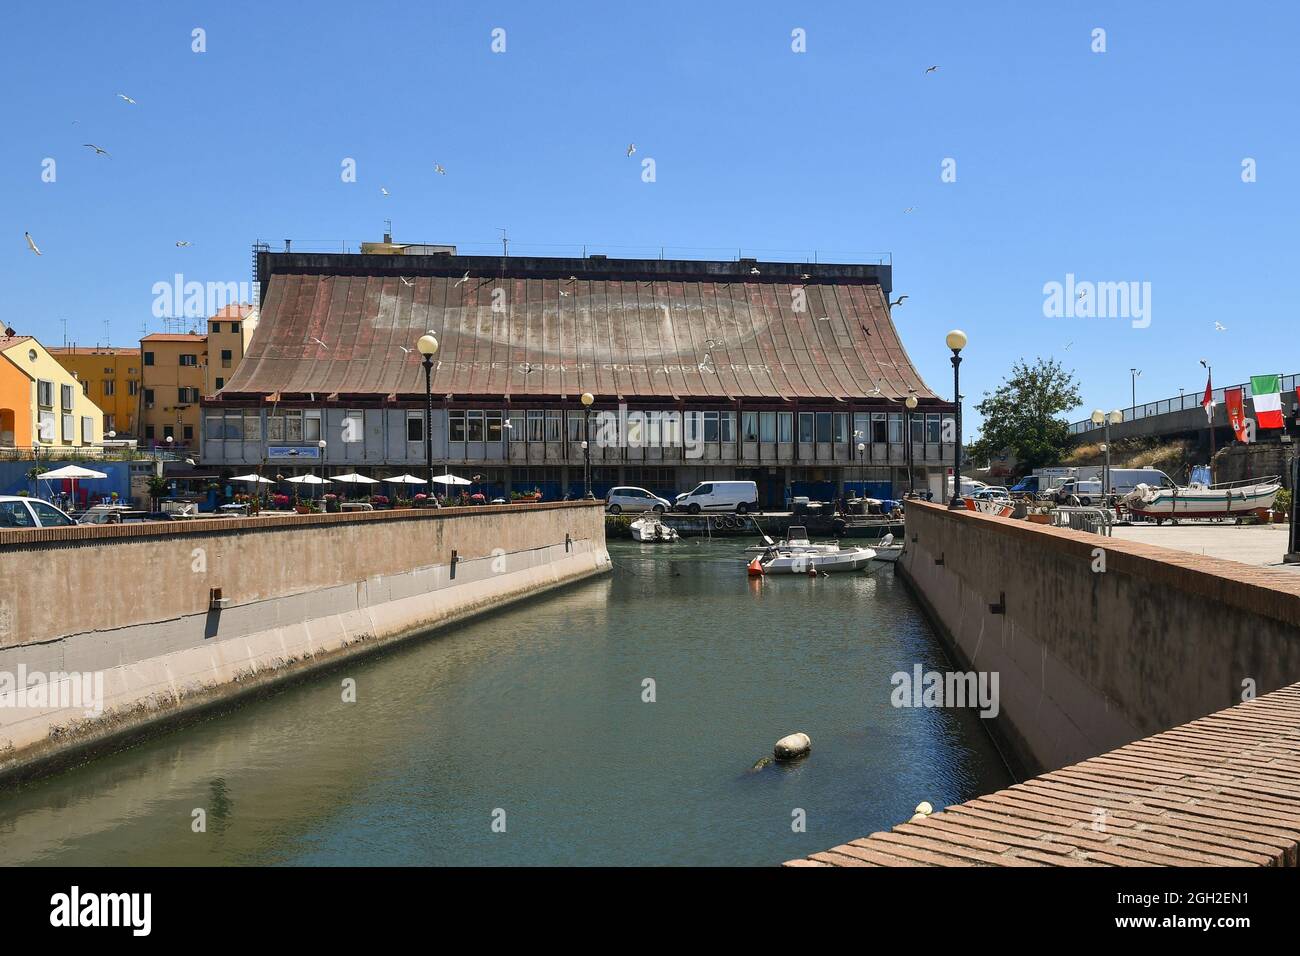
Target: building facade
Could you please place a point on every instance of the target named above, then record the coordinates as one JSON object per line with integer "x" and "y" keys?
{"x": 110, "y": 377}
{"x": 229, "y": 332}
{"x": 792, "y": 375}
{"x": 42, "y": 405}
{"x": 173, "y": 371}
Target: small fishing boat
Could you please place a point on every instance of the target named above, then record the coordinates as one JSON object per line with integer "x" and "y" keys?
{"x": 887, "y": 552}
{"x": 1223, "y": 500}
{"x": 651, "y": 528}
{"x": 990, "y": 505}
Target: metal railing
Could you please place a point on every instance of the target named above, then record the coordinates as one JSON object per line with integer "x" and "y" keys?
{"x": 1182, "y": 403}
{"x": 1097, "y": 520}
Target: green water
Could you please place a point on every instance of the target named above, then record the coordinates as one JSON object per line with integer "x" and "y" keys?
{"x": 537, "y": 711}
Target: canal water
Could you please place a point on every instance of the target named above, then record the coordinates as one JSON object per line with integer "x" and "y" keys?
{"x": 534, "y": 719}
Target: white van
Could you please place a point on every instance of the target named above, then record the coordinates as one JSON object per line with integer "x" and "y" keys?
{"x": 738, "y": 496}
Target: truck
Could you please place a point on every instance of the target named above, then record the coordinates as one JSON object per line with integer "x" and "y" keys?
{"x": 1043, "y": 481}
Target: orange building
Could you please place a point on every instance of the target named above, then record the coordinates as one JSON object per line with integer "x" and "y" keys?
{"x": 229, "y": 332}
{"x": 110, "y": 377}
{"x": 173, "y": 370}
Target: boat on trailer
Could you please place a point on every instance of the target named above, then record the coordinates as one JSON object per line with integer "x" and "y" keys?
{"x": 1224, "y": 500}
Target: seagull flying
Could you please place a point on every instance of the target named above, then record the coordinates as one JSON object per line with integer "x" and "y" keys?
{"x": 182, "y": 243}
{"x": 440, "y": 169}
{"x": 754, "y": 271}
{"x": 128, "y": 99}
{"x": 464, "y": 278}
{"x": 823, "y": 318}
{"x": 908, "y": 209}
{"x": 1220, "y": 328}
{"x": 631, "y": 148}
{"x": 1067, "y": 346}
{"x": 31, "y": 243}
{"x": 406, "y": 281}
{"x": 1082, "y": 293}
{"x": 898, "y": 301}
{"x": 383, "y": 190}
{"x": 562, "y": 292}
{"x": 929, "y": 70}
{"x": 99, "y": 150}
{"x": 405, "y": 349}
{"x": 319, "y": 342}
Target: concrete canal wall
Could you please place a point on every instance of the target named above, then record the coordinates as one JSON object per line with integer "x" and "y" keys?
{"x": 173, "y": 618}
{"x": 1088, "y": 659}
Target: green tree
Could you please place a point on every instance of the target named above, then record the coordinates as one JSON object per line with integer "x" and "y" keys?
{"x": 1021, "y": 415}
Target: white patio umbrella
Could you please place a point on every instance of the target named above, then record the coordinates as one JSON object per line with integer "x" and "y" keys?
{"x": 307, "y": 480}
{"x": 71, "y": 473}
{"x": 254, "y": 479}
{"x": 406, "y": 480}
{"x": 352, "y": 478}
{"x": 451, "y": 480}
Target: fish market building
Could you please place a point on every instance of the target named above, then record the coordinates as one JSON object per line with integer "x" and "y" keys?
{"x": 789, "y": 374}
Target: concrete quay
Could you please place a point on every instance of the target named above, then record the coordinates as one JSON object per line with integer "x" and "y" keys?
{"x": 167, "y": 620}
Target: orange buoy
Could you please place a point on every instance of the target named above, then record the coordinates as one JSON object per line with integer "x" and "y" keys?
{"x": 756, "y": 568}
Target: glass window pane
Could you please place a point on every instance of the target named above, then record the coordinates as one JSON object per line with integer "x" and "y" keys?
{"x": 805, "y": 426}
{"x": 728, "y": 422}
{"x": 932, "y": 428}
{"x": 517, "y": 430}
{"x": 415, "y": 428}
{"x": 311, "y": 428}
{"x": 895, "y": 428}
{"x": 785, "y": 427}
{"x": 554, "y": 426}
{"x": 252, "y": 426}
{"x": 710, "y": 426}
{"x": 456, "y": 426}
{"x": 536, "y": 425}
{"x": 824, "y": 426}
{"x": 841, "y": 426}
{"x": 749, "y": 426}
{"x": 767, "y": 426}
{"x": 493, "y": 420}
{"x": 474, "y": 425}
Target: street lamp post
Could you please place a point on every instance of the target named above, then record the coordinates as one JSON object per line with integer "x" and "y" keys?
{"x": 321, "y": 445}
{"x": 1101, "y": 418}
{"x": 956, "y": 341}
{"x": 911, "y": 403}
{"x": 587, "y": 399}
{"x": 1133, "y": 385}
{"x": 862, "y": 449}
{"x": 428, "y": 346}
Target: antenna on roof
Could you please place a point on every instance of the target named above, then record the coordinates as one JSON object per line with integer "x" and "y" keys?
{"x": 388, "y": 231}
{"x": 505, "y": 243}
{"x": 65, "y": 331}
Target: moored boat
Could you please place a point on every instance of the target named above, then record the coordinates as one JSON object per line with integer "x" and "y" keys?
{"x": 650, "y": 528}
{"x": 1227, "y": 499}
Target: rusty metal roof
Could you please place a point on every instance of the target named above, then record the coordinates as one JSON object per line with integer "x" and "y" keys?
{"x": 665, "y": 338}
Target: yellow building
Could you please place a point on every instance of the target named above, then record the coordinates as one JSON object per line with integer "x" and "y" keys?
{"x": 41, "y": 402}
{"x": 229, "y": 332}
{"x": 110, "y": 377}
{"x": 173, "y": 369}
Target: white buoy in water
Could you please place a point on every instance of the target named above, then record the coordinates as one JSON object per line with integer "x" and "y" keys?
{"x": 792, "y": 747}
{"x": 924, "y": 808}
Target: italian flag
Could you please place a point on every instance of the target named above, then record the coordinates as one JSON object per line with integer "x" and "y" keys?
{"x": 1266, "y": 393}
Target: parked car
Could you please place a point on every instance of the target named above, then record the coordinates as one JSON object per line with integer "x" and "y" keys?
{"x": 738, "y": 496}
{"x": 1076, "y": 491}
{"x": 628, "y": 498}
{"x": 19, "y": 512}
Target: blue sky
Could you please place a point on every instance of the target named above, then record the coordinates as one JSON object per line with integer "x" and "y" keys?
{"x": 1123, "y": 166}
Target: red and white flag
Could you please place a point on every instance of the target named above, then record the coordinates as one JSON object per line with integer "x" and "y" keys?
{"x": 1207, "y": 402}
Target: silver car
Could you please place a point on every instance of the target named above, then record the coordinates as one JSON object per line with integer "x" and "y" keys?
{"x": 627, "y": 498}
{"x": 19, "y": 512}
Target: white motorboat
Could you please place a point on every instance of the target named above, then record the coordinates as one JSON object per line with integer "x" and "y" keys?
{"x": 816, "y": 562}
{"x": 652, "y": 529}
{"x": 1228, "y": 499}
{"x": 1002, "y": 507}
{"x": 795, "y": 540}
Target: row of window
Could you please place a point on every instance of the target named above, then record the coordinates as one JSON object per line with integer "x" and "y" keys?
{"x": 190, "y": 360}
{"x": 45, "y": 429}
{"x": 555, "y": 425}
{"x": 216, "y": 326}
